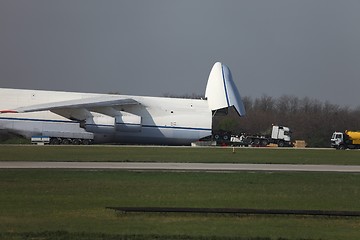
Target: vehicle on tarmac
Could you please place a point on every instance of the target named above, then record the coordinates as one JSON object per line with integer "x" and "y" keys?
{"x": 346, "y": 140}
{"x": 280, "y": 135}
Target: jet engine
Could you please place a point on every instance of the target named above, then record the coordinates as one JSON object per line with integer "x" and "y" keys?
{"x": 121, "y": 123}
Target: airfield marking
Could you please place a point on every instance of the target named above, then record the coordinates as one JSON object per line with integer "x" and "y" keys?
{"x": 226, "y": 167}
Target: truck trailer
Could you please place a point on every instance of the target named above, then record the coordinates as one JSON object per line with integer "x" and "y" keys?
{"x": 280, "y": 136}
{"x": 346, "y": 140}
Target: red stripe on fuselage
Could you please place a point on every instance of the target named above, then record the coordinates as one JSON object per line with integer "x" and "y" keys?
{"x": 8, "y": 111}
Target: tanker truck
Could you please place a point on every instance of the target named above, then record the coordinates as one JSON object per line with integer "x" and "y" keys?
{"x": 347, "y": 139}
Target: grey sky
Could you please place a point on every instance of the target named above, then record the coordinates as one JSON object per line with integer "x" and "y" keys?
{"x": 156, "y": 47}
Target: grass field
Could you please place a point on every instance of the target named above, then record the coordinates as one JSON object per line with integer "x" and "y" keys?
{"x": 59, "y": 204}
{"x": 177, "y": 154}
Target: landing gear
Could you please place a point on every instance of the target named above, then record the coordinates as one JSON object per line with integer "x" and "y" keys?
{"x": 86, "y": 142}
{"x": 55, "y": 141}
{"x": 68, "y": 141}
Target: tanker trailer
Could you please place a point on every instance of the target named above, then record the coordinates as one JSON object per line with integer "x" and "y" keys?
{"x": 347, "y": 139}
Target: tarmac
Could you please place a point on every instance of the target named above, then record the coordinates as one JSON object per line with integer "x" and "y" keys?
{"x": 183, "y": 167}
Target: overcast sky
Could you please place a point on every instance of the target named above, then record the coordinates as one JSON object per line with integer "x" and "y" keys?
{"x": 155, "y": 47}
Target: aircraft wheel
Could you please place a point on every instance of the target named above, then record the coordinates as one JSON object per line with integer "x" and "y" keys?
{"x": 54, "y": 141}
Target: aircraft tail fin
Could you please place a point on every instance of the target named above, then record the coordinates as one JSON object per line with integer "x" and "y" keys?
{"x": 221, "y": 91}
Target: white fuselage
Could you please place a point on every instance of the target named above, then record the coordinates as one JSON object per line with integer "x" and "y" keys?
{"x": 73, "y": 117}
{"x": 163, "y": 120}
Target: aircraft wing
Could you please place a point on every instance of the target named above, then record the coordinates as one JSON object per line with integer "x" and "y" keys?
{"x": 69, "y": 107}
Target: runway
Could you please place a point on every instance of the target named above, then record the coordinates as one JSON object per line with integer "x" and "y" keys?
{"x": 201, "y": 167}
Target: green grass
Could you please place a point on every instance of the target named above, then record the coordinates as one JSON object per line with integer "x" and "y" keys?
{"x": 11, "y": 138}
{"x": 58, "y": 204}
{"x": 43, "y": 202}
{"x": 177, "y": 154}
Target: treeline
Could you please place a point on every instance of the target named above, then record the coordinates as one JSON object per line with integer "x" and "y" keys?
{"x": 309, "y": 119}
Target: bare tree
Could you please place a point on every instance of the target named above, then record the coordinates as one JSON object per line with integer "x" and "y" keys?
{"x": 310, "y": 119}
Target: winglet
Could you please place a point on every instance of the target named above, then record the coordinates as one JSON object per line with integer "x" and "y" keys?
{"x": 8, "y": 111}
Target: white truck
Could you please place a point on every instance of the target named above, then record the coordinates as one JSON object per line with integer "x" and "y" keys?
{"x": 280, "y": 135}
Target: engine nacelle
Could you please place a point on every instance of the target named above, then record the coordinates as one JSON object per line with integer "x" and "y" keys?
{"x": 122, "y": 123}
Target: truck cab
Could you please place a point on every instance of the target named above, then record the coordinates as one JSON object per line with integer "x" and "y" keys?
{"x": 347, "y": 139}
{"x": 281, "y": 133}
{"x": 281, "y": 136}
{"x": 337, "y": 140}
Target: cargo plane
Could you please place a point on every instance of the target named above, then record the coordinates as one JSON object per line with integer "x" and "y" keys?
{"x": 83, "y": 118}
